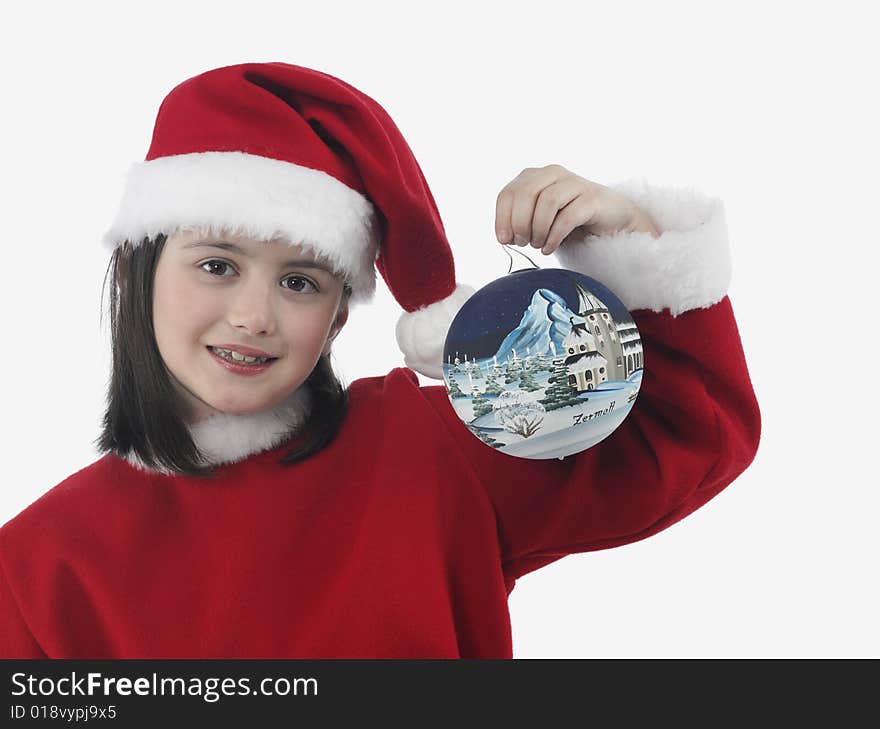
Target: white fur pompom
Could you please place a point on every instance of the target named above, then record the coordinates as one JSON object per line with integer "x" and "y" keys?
{"x": 421, "y": 334}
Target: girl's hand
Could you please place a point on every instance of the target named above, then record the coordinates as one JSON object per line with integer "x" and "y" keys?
{"x": 543, "y": 205}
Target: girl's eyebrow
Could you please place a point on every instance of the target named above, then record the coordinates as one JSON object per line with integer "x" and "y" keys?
{"x": 238, "y": 249}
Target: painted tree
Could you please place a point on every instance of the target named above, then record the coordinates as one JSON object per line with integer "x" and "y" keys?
{"x": 492, "y": 385}
{"x": 559, "y": 394}
{"x": 513, "y": 371}
{"x": 542, "y": 362}
{"x": 453, "y": 388}
{"x": 481, "y": 404}
{"x": 527, "y": 382}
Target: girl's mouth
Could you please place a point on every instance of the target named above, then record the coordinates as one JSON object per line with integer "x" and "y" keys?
{"x": 238, "y": 367}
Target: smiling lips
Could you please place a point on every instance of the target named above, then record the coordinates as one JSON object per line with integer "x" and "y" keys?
{"x": 240, "y": 367}
{"x": 247, "y": 351}
{"x": 234, "y": 356}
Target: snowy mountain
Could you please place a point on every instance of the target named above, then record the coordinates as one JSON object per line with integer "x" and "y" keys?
{"x": 546, "y": 319}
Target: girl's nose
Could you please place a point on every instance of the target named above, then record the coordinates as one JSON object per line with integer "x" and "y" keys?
{"x": 252, "y": 309}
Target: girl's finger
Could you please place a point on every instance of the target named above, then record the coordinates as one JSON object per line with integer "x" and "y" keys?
{"x": 551, "y": 200}
{"x": 515, "y": 205}
{"x": 525, "y": 198}
{"x": 503, "y": 208}
{"x": 521, "y": 213}
{"x": 578, "y": 212}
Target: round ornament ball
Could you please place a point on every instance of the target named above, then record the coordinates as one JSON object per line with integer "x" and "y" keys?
{"x": 542, "y": 363}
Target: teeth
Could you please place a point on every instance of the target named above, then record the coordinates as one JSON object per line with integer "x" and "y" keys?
{"x": 236, "y": 357}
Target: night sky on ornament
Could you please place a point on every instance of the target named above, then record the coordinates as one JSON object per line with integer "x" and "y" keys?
{"x": 495, "y": 310}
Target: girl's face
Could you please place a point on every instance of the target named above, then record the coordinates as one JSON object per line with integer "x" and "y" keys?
{"x": 234, "y": 290}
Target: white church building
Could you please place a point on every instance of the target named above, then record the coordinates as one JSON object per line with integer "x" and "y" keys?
{"x": 597, "y": 349}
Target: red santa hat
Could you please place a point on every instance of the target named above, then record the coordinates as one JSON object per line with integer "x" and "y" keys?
{"x": 272, "y": 150}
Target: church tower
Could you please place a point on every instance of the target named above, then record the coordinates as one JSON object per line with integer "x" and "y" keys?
{"x": 601, "y": 326}
{"x": 587, "y": 367}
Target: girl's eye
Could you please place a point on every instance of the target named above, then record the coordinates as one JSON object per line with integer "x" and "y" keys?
{"x": 300, "y": 286}
{"x": 300, "y": 281}
{"x": 212, "y": 262}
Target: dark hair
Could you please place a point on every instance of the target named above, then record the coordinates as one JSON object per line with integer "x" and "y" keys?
{"x": 144, "y": 414}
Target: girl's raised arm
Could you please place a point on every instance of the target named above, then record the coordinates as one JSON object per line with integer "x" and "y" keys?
{"x": 694, "y": 427}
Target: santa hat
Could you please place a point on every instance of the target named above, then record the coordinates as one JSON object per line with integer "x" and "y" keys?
{"x": 274, "y": 150}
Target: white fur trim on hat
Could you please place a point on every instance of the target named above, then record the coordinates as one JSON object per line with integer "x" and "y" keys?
{"x": 687, "y": 267}
{"x": 255, "y": 196}
{"x": 421, "y": 334}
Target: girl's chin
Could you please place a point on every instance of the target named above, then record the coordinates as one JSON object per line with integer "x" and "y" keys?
{"x": 250, "y": 408}
{"x": 209, "y": 407}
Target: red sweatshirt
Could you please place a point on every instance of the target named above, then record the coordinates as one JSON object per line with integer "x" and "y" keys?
{"x": 402, "y": 539}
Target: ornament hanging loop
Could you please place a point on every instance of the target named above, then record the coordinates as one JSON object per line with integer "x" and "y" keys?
{"x": 510, "y": 267}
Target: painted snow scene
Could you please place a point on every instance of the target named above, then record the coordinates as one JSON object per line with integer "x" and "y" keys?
{"x": 542, "y": 363}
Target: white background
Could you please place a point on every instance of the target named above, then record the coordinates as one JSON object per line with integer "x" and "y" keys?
{"x": 766, "y": 106}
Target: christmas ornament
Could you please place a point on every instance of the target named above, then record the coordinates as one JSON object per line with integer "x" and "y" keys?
{"x": 542, "y": 363}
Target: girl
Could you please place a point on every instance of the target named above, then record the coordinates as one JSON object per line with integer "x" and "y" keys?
{"x": 246, "y": 504}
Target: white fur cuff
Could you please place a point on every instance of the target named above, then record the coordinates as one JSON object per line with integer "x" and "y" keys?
{"x": 687, "y": 267}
